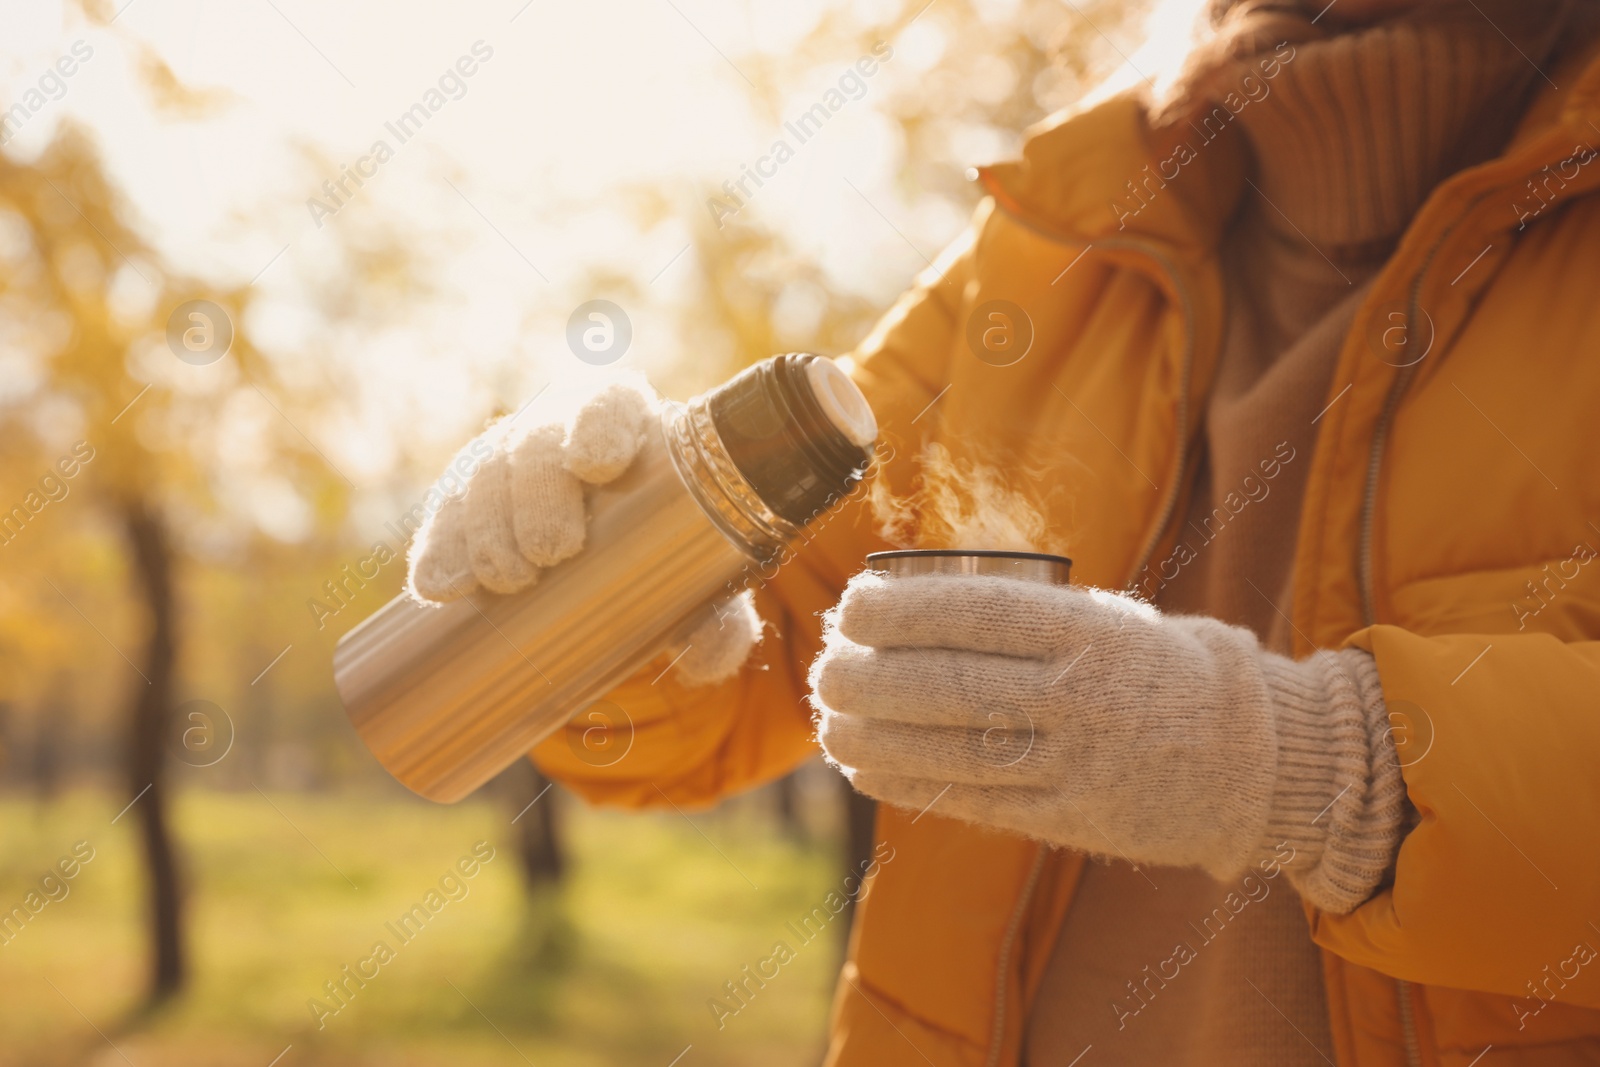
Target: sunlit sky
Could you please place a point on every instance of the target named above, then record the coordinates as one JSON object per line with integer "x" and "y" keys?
{"x": 506, "y": 187}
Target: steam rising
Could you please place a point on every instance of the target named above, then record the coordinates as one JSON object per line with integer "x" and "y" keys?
{"x": 960, "y": 504}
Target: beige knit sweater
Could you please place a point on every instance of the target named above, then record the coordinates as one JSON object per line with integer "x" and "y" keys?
{"x": 1167, "y": 966}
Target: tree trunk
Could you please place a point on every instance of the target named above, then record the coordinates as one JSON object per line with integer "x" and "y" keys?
{"x": 147, "y": 737}
{"x": 10, "y": 766}
{"x": 51, "y": 739}
{"x": 251, "y": 764}
{"x": 538, "y": 827}
{"x": 860, "y": 816}
{"x": 47, "y": 750}
{"x": 786, "y": 802}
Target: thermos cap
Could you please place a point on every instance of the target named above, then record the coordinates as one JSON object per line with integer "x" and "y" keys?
{"x": 841, "y": 401}
{"x": 798, "y": 431}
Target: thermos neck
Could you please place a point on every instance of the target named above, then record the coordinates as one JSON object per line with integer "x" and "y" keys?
{"x": 771, "y": 449}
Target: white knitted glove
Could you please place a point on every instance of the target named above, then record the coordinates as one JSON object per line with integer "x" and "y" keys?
{"x": 1090, "y": 720}
{"x": 523, "y": 510}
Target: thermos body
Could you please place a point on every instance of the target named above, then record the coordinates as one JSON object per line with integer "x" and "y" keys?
{"x": 448, "y": 695}
{"x": 442, "y": 694}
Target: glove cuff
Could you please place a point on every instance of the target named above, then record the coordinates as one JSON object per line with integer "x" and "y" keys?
{"x": 1339, "y": 800}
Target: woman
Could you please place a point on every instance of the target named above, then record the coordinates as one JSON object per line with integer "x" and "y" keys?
{"x": 1310, "y": 382}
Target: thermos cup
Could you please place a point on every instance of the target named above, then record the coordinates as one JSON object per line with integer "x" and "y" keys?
{"x": 447, "y": 696}
{"x": 1025, "y": 566}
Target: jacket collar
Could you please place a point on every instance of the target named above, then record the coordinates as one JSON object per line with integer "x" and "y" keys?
{"x": 1101, "y": 172}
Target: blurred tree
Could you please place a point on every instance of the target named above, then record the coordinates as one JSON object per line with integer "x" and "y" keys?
{"x": 786, "y": 806}
{"x": 533, "y": 804}
{"x": 8, "y": 743}
{"x": 860, "y": 822}
{"x": 68, "y": 251}
{"x": 85, "y": 303}
{"x": 50, "y": 739}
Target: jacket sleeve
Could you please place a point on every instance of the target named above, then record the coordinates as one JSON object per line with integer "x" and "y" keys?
{"x": 1500, "y": 879}
{"x": 654, "y": 741}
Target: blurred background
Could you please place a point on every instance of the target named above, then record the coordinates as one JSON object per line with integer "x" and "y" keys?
{"x": 264, "y": 265}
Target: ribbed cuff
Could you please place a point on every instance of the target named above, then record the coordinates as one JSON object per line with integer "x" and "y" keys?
{"x": 1339, "y": 800}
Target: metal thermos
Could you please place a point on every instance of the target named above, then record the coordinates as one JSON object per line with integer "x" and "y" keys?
{"x": 447, "y": 696}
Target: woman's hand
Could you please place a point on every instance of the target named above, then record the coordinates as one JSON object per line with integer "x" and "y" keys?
{"x": 523, "y": 511}
{"x": 523, "y": 507}
{"x": 1092, "y": 721}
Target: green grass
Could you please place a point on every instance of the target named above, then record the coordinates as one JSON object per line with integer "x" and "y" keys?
{"x": 613, "y": 967}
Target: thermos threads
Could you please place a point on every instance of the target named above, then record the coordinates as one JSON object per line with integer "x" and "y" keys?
{"x": 789, "y": 432}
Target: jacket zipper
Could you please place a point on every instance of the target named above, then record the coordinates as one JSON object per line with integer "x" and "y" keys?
{"x": 1408, "y": 1024}
{"x": 1168, "y": 507}
{"x": 1380, "y": 434}
{"x": 1380, "y": 431}
{"x": 997, "y": 1037}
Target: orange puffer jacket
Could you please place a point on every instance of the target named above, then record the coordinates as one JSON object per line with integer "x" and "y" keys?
{"x": 1450, "y": 526}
